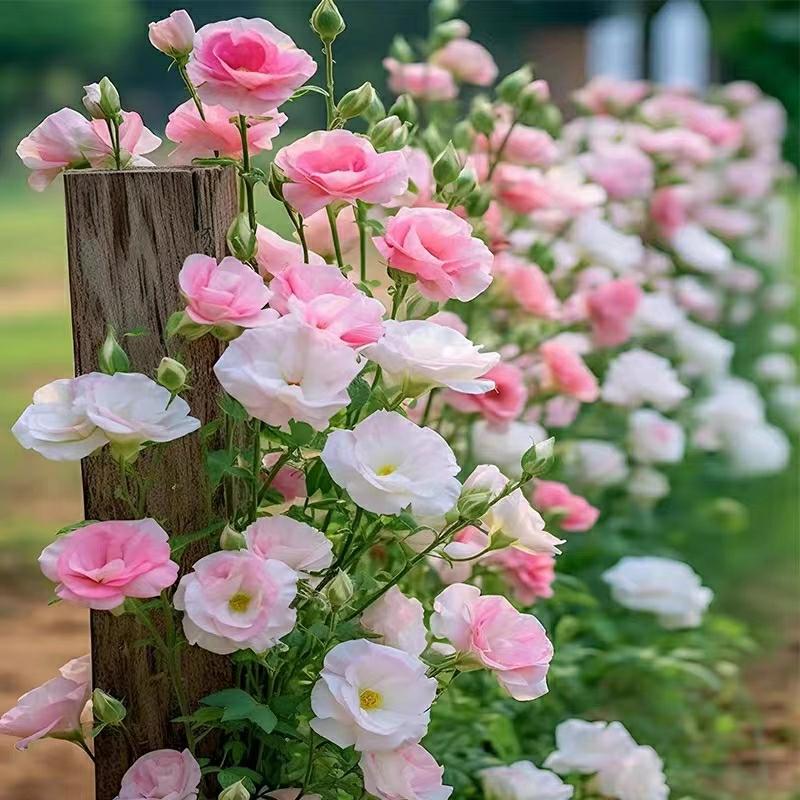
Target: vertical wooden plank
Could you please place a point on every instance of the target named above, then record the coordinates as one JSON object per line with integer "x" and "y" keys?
{"x": 127, "y": 235}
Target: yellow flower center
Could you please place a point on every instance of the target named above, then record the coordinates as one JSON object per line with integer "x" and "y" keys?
{"x": 239, "y": 602}
{"x": 370, "y": 700}
{"x": 386, "y": 469}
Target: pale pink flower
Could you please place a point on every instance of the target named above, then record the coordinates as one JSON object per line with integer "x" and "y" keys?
{"x": 408, "y": 773}
{"x": 371, "y": 697}
{"x": 449, "y": 319}
{"x": 490, "y": 630}
{"x": 669, "y": 209}
{"x": 52, "y": 709}
{"x": 422, "y": 81}
{"x": 438, "y": 247}
{"x": 326, "y": 300}
{"x": 174, "y": 35}
{"x": 575, "y": 512}
{"x": 500, "y": 405}
{"x": 247, "y": 65}
{"x": 200, "y": 138}
{"x": 530, "y": 575}
{"x": 398, "y": 621}
{"x": 236, "y": 600}
{"x": 228, "y": 293}
{"x": 741, "y": 93}
{"x": 526, "y": 146}
{"x": 466, "y": 546}
{"x": 565, "y": 372}
{"x": 134, "y": 141}
{"x": 654, "y": 439}
{"x": 638, "y": 377}
{"x": 561, "y": 412}
{"x": 727, "y": 221}
{"x": 274, "y": 254}
{"x": 748, "y": 178}
{"x": 296, "y": 544}
{"x": 521, "y": 189}
{"x": 676, "y": 144}
{"x": 420, "y": 171}
{"x": 714, "y": 123}
{"x": 607, "y": 95}
{"x": 326, "y": 166}
{"x": 290, "y": 482}
{"x": 101, "y": 564}
{"x": 162, "y": 775}
{"x": 621, "y": 169}
{"x": 611, "y": 308}
{"x": 61, "y": 141}
{"x": 291, "y": 794}
{"x": 527, "y": 285}
{"x": 288, "y": 370}
{"x": 317, "y": 230}
{"x": 523, "y": 781}
{"x": 589, "y": 747}
{"x": 468, "y": 61}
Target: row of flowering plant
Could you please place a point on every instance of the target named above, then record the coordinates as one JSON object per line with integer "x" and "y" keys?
{"x": 455, "y": 288}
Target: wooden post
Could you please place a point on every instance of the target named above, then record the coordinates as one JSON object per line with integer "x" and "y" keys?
{"x": 127, "y": 234}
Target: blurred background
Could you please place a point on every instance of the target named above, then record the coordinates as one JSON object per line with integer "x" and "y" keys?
{"x": 50, "y": 48}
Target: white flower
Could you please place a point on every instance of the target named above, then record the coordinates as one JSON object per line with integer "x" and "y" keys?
{"x": 588, "y": 747}
{"x": 419, "y": 355}
{"x": 504, "y": 446}
{"x": 782, "y": 334}
{"x": 513, "y": 516}
{"x": 398, "y": 620}
{"x": 55, "y": 426}
{"x": 734, "y": 405}
{"x": 759, "y": 450}
{"x": 695, "y": 246}
{"x": 647, "y": 485}
{"x": 387, "y": 463}
{"x": 371, "y": 697}
{"x": 785, "y": 399}
{"x": 654, "y": 439}
{"x": 596, "y": 463}
{"x": 657, "y": 313}
{"x": 637, "y": 377}
{"x": 605, "y": 245}
{"x": 775, "y": 368}
{"x": 639, "y": 775}
{"x": 523, "y": 781}
{"x": 697, "y": 298}
{"x": 288, "y": 370}
{"x": 703, "y": 353}
{"x": 670, "y": 589}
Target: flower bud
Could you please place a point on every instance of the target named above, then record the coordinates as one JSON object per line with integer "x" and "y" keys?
{"x": 551, "y": 119}
{"x": 452, "y": 29}
{"x": 171, "y": 374}
{"x": 327, "y": 22}
{"x": 382, "y": 131}
{"x": 340, "y": 590}
{"x": 112, "y": 357}
{"x": 433, "y": 140}
{"x": 401, "y": 49}
{"x": 536, "y": 460}
{"x": 231, "y": 539}
{"x": 405, "y": 109}
{"x": 446, "y": 166}
{"x": 236, "y": 791}
{"x": 356, "y": 101}
{"x": 474, "y": 503}
{"x": 181, "y": 324}
{"x": 442, "y": 10}
{"x": 465, "y": 183}
{"x": 174, "y": 35}
{"x": 463, "y": 135}
{"x": 106, "y": 708}
{"x": 481, "y": 116}
{"x": 275, "y": 183}
{"x": 477, "y": 203}
{"x": 101, "y": 100}
{"x": 241, "y": 238}
{"x": 510, "y": 87}
{"x": 91, "y": 101}
{"x": 375, "y": 112}
{"x": 399, "y": 139}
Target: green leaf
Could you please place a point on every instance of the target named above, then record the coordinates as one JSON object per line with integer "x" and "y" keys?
{"x": 232, "y": 775}
{"x": 302, "y": 432}
{"x": 306, "y": 90}
{"x": 233, "y": 408}
{"x": 228, "y": 698}
{"x": 217, "y": 463}
{"x": 263, "y": 717}
{"x": 318, "y": 478}
{"x": 359, "y": 392}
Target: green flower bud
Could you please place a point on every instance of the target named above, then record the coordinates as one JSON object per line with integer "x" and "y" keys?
{"x": 112, "y": 357}
{"x": 375, "y": 112}
{"x": 275, "y": 183}
{"x": 399, "y": 139}
{"x": 481, "y": 116}
{"x": 356, "y": 101}
{"x": 442, "y": 10}
{"x": 446, "y": 166}
{"x": 231, "y": 539}
{"x": 327, "y": 22}
{"x": 236, "y": 791}
{"x": 477, "y": 203}
{"x": 401, "y": 49}
{"x": 382, "y": 131}
{"x": 510, "y": 87}
{"x": 536, "y": 460}
{"x": 465, "y": 183}
{"x": 474, "y": 503}
{"x": 551, "y": 119}
{"x": 171, "y": 374}
{"x": 447, "y": 31}
{"x": 463, "y": 135}
{"x": 241, "y": 238}
{"x": 106, "y": 708}
{"x": 340, "y": 590}
{"x": 101, "y": 100}
{"x": 405, "y": 109}
{"x": 433, "y": 140}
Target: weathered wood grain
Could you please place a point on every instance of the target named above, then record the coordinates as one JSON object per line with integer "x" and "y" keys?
{"x": 127, "y": 235}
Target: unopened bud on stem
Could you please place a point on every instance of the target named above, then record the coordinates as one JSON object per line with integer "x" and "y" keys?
{"x": 327, "y": 21}
{"x": 171, "y": 374}
{"x": 510, "y": 87}
{"x": 356, "y": 101}
{"x": 446, "y": 166}
{"x": 241, "y": 238}
{"x": 112, "y": 357}
{"x": 107, "y": 709}
{"x": 236, "y": 791}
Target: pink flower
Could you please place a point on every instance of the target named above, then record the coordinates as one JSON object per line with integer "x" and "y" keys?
{"x": 398, "y": 621}
{"x": 565, "y": 372}
{"x": 468, "y": 543}
{"x": 174, "y": 35}
{"x": 438, "y": 247}
{"x": 622, "y": 170}
{"x": 490, "y": 630}
{"x": 560, "y": 412}
{"x": 521, "y": 189}
{"x": 274, "y": 253}
{"x": 247, "y": 65}
{"x": 134, "y": 141}
{"x": 530, "y": 575}
{"x": 162, "y": 775}
{"x": 296, "y": 544}
{"x": 291, "y": 794}
{"x": 408, "y": 773}
{"x": 61, "y": 141}
{"x": 606, "y": 95}
{"x": 226, "y": 294}
{"x": 236, "y": 600}
{"x": 527, "y": 285}
{"x": 677, "y": 144}
{"x": 526, "y": 146}
{"x": 323, "y": 298}
{"x": 611, "y": 309}
{"x": 101, "y": 564}
{"x": 468, "y": 61}
{"x": 421, "y": 174}
{"x": 502, "y": 404}
{"x": 199, "y": 138}
{"x": 290, "y": 482}
{"x": 449, "y": 319}
{"x": 422, "y": 81}
{"x": 317, "y": 231}
{"x": 52, "y": 709}
{"x": 325, "y": 166}
{"x": 669, "y": 209}
{"x": 553, "y": 497}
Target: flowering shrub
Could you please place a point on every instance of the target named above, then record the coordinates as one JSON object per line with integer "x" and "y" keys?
{"x": 389, "y": 564}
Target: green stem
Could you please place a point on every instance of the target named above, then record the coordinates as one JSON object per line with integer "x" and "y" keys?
{"x": 428, "y": 406}
{"x": 329, "y": 101}
{"x": 337, "y": 247}
{"x": 256, "y": 469}
{"x": 398, "y": 297}
{"x": 192, "y": 91}
{"x": 297, "y": 224}
{"x": 361, "y": 219}
{"x": 499, "y": 154}
{"x": 248, "y": 185}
